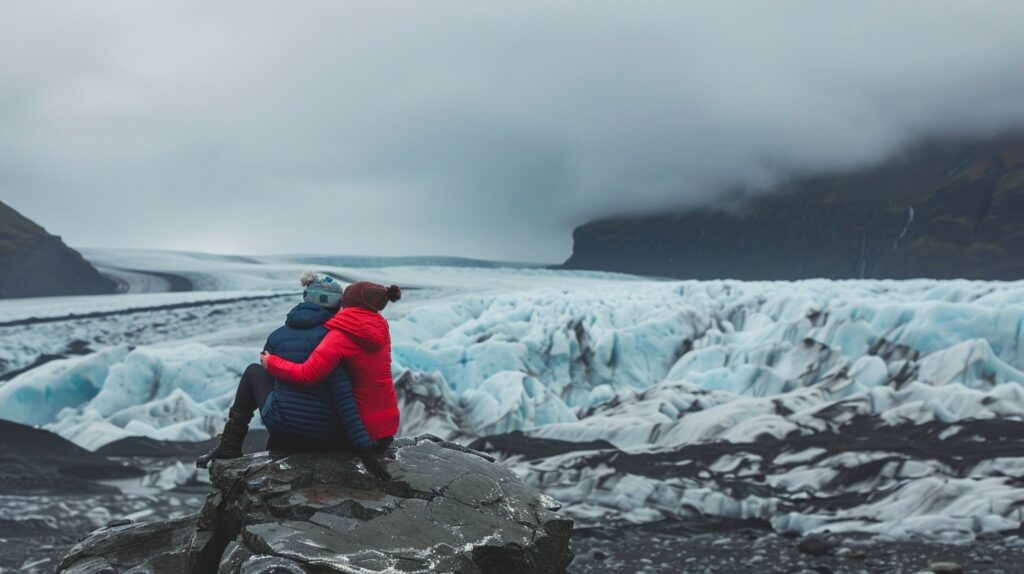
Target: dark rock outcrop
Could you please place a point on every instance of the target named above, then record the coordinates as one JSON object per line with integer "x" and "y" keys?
{"x": 448, "y": 509}
{"x": 150, "y": 547}
{"x": 814, "y": 545}
{"x": 943, "y": 210}
{"x": 37, "y": 264}
{"x": 35, "y": 461}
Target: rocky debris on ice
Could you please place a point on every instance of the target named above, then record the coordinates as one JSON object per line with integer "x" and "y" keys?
{"x": 732, "y": 547}
{"x": 899, "y": 483}
{"x": 447, "y": 509}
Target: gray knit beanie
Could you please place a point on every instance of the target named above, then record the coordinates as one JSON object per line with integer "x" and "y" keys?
{"x": 321, "y": 290}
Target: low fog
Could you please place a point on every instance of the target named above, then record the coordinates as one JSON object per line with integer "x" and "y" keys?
{"x": 464, "y": 128}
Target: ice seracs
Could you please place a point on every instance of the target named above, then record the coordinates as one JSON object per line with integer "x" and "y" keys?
{"x": 687, "y": 383}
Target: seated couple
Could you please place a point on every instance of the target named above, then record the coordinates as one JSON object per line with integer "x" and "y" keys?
{"x": 324, "y": 382}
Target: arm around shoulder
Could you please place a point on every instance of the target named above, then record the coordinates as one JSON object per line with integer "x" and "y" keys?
{"x": 324, "y": 359}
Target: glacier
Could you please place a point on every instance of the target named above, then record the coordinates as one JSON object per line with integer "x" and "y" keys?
{"x": 171, "y": 393}
{"x": 888, "y": 407}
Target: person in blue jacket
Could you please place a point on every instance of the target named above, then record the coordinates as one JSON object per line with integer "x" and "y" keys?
{"x": 317, "y": 417}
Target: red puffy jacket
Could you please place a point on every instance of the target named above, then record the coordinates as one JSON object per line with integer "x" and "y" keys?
{"x": 360, "y": 339}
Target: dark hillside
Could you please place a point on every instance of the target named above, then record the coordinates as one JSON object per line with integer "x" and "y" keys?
{"x": 34, "y": 263}
{"x": 943, "y": 210}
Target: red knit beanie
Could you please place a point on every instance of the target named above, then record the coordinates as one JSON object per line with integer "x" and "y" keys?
{"x": 370, "y": 296}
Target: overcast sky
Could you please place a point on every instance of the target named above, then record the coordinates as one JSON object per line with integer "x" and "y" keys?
{"x": 485, "y": 129}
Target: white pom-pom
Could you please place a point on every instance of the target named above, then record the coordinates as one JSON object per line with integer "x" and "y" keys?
{"x": 307, "y": 278}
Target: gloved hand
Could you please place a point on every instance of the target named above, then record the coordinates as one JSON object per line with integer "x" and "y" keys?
{"x": 374, "y": 465}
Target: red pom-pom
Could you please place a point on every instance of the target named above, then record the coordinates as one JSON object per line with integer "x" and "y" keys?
{"x": 394, "y": 293}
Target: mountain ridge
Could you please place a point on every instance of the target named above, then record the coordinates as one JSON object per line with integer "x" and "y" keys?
{"x": 38, "y": 264}
{"x": 945, "y": 209}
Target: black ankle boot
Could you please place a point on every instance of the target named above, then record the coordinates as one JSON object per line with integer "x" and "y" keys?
{"x": 230, "y": 440}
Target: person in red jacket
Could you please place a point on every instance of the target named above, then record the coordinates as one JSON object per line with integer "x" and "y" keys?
{"x": 357, "y": 337}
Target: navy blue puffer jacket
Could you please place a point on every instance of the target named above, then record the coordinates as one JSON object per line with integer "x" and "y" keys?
{"x": 319, "y": 411}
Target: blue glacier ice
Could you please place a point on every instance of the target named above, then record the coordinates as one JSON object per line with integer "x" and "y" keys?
{"x": 648, "y": 366}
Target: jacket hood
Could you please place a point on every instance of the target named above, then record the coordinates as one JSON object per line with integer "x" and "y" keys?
{"x": 306, "y": 315}
{"x": 366, "y": 328}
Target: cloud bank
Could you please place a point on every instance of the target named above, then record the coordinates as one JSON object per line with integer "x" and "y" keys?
{"x": 467, "y": 128}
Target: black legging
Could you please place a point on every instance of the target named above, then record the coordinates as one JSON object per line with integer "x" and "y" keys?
{"x": 253, "y": 389}
{"x": 252, "y": 393}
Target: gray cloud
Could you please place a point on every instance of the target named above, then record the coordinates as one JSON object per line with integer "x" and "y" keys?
{"x": 478, "y": 129}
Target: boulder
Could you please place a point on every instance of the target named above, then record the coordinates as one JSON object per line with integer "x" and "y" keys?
{"x": 447, "y": 509}
{"x": 946, "y": 568}
{"x": 814, "y": 545}
{"x": 149, "y": 547}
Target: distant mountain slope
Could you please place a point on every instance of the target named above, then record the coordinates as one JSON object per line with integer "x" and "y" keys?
{"x": 34, "y": 263}
{"x": 943, "y": 210}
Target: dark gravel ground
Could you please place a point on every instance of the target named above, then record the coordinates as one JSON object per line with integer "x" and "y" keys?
{"x": 675, "y": 547}
{"x": 665, "y": 548}
{"x": 36, "y": 531}
{"x": 35, "y": 554}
